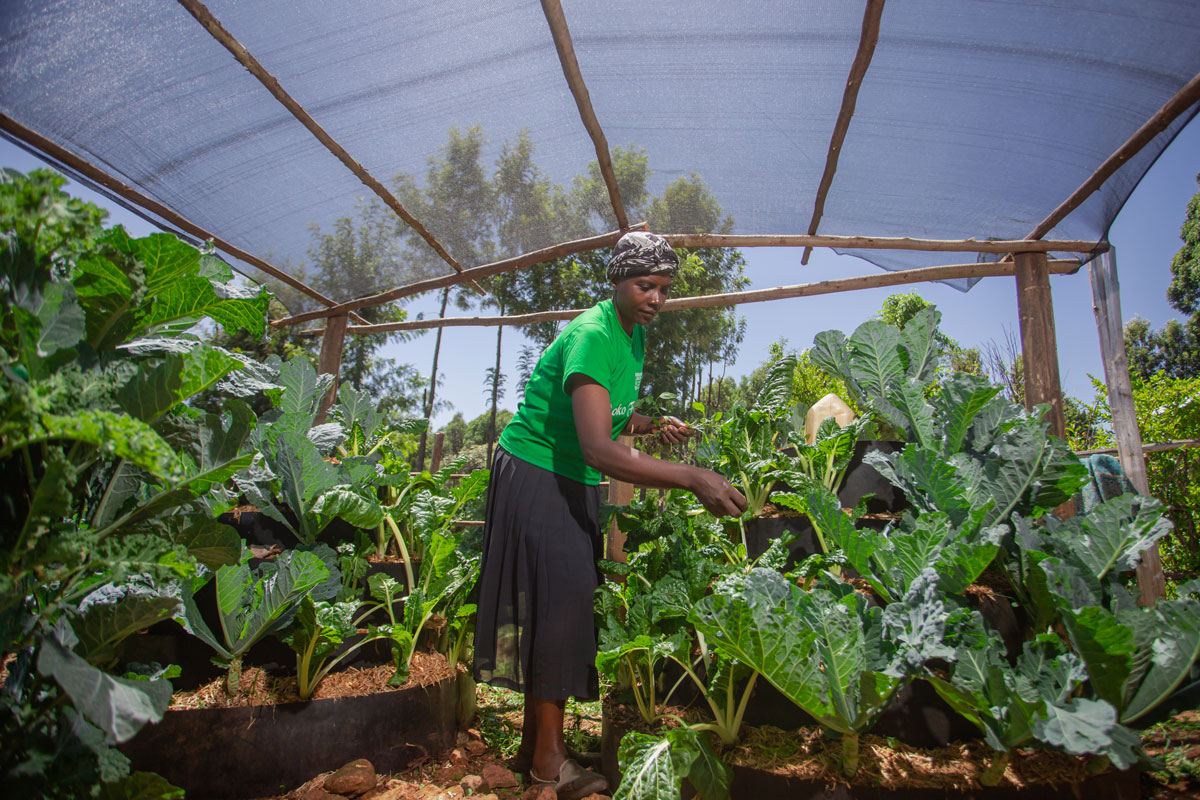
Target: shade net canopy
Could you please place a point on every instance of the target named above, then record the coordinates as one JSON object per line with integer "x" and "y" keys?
{"x": 975, "y": 119}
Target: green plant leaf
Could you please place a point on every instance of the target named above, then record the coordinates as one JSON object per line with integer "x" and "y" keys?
{"x": 1106, "y": 647}
{"x": 212, "y": 543}
{"x": 119, "y": 707}
{"x": 648, "y": 768}
{"x": 140, "y": 786}
{"x": 105, "y": 625}
{"x": 152, "y": 391}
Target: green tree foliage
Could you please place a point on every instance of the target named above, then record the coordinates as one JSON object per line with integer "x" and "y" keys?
{"x": 514, "y": 208}
{"x": 1175, "y": 348}
{"x": 1167, "y": 408}
{"x": 899, "y": 308}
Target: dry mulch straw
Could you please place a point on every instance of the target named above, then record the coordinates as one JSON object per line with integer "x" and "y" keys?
{"x": 262, "y": 688}
{"x": 886, "y": 763}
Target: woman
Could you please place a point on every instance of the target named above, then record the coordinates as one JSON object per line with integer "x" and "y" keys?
{"x": 535, "y": 630}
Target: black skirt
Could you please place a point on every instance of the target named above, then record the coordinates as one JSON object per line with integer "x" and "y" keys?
{"x": 535, "y": 629}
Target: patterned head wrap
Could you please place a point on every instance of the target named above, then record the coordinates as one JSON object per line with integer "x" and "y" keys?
{"x": 640, "y": 253}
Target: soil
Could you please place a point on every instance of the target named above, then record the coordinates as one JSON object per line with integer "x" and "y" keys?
{"x": 806, "y": 754}
{"x": 889, "y": 764}
{"x": 262, "y": 688}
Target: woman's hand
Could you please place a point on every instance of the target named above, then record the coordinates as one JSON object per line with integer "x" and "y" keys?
{"x": 716, "y": 494}
{"x": 672, "y": 430}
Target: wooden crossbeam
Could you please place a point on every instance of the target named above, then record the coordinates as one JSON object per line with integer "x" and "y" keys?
{"x": 1180, "y": 102}
{"x": 483, "y": 271}
{"x": 126, "y": 192}
{"x": 875, "y": 280}
{"x": 247, "y": 60}
{"x": 583, "y": 100}
{"x": 883, "y": 243}
{"x": 858, "y": 70}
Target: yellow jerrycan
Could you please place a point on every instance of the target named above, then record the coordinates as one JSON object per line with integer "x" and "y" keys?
{"x": 828, "y": 406}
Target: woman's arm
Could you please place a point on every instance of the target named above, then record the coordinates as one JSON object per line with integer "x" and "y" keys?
{"x": 593, "y": 423}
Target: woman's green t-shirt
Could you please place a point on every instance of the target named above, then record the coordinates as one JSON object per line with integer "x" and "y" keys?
{"x": 593, "y": 344}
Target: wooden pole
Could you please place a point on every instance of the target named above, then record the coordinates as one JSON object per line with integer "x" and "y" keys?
{"x": 271, "y": 83}
{"x": 1039, "y": 348}
{"x": 1106, "y": 303}
{"x": 858, "y": 70}
{"x": 330, "y": 360}
{"x": 482, "y": 271}
{"x": 874, "y": 280}
{"x": 74, "y": 162}
{"x": 435, "y": 461}
{"x": 583, "y": 101}
{"x": 620, "y": 493}
{"x": 1180, "y": 102}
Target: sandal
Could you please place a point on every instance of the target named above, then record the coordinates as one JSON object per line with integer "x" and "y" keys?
{"x": 573, "y": 782}
{"x": 523, "y": 762}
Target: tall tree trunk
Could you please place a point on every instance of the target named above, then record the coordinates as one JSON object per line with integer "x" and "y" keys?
{"x": 437, "y": 348}
{"x": 495, "y": 392}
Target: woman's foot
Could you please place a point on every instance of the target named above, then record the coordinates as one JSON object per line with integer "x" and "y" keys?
{"x": 573, "y": 782}
{"x": 523, "y": 760}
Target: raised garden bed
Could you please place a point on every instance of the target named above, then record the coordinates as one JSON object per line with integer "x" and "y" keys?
{"x": 214, "y": 746}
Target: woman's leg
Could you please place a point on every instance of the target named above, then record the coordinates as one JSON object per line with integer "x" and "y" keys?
{"x": 549, "y": 749}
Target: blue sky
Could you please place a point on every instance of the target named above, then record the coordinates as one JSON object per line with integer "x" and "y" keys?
{"x": 1145, "y": 235}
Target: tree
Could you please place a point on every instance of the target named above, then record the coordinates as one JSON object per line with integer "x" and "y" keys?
{"x": 1174, "y": 349}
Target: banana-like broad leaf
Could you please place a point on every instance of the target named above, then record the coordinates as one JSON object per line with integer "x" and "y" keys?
{"x": 118, "y": 706}
{"x": 776, "y": 390}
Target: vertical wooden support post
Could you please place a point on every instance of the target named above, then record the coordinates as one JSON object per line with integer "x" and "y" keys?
{"x": 1106, "y": 303}
{"x": 435, "y": 462}
{"x": 330, "y": 361}
{"x": 1039, "y": 346}
{"x": 619, "y": 494}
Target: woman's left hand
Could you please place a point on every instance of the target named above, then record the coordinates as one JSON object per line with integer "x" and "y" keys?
{"x": 672, "y": 430}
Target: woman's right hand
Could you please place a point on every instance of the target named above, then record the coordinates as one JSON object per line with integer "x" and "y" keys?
{"x": 716, "y": 494}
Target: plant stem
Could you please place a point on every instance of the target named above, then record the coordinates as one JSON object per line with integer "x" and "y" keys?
{"x": 408, "y": 573}
{"x": 849, "y": 753}
{"x": 995, "y": 770}
{"x": 233, "y": 678}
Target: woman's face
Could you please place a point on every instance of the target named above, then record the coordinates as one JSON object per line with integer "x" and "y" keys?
{"x": 638, "y": 299}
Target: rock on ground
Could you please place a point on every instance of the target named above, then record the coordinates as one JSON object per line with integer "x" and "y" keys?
{"x": 497, "y": 777}
{"x": 357, "y": 777}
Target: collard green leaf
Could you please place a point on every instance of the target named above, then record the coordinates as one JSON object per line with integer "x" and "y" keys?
{"x": 105, "y": 625}
{"x": 823, "y": 649}
{"x": 956, "y": 406}
{"x": 918, "y": 339}
{"x": 255, "y": 603}
{"x": 302, "y": 388}
{"x": 875, "y": 358}
{"x": 1106, "y": 647}
{"x": 1173, "y": 645}
{"x": 119, "y": 707}
{"x": 153, "y": 390}
{"x": 1080, "y": 726}
{"x": 212, "y": 543}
